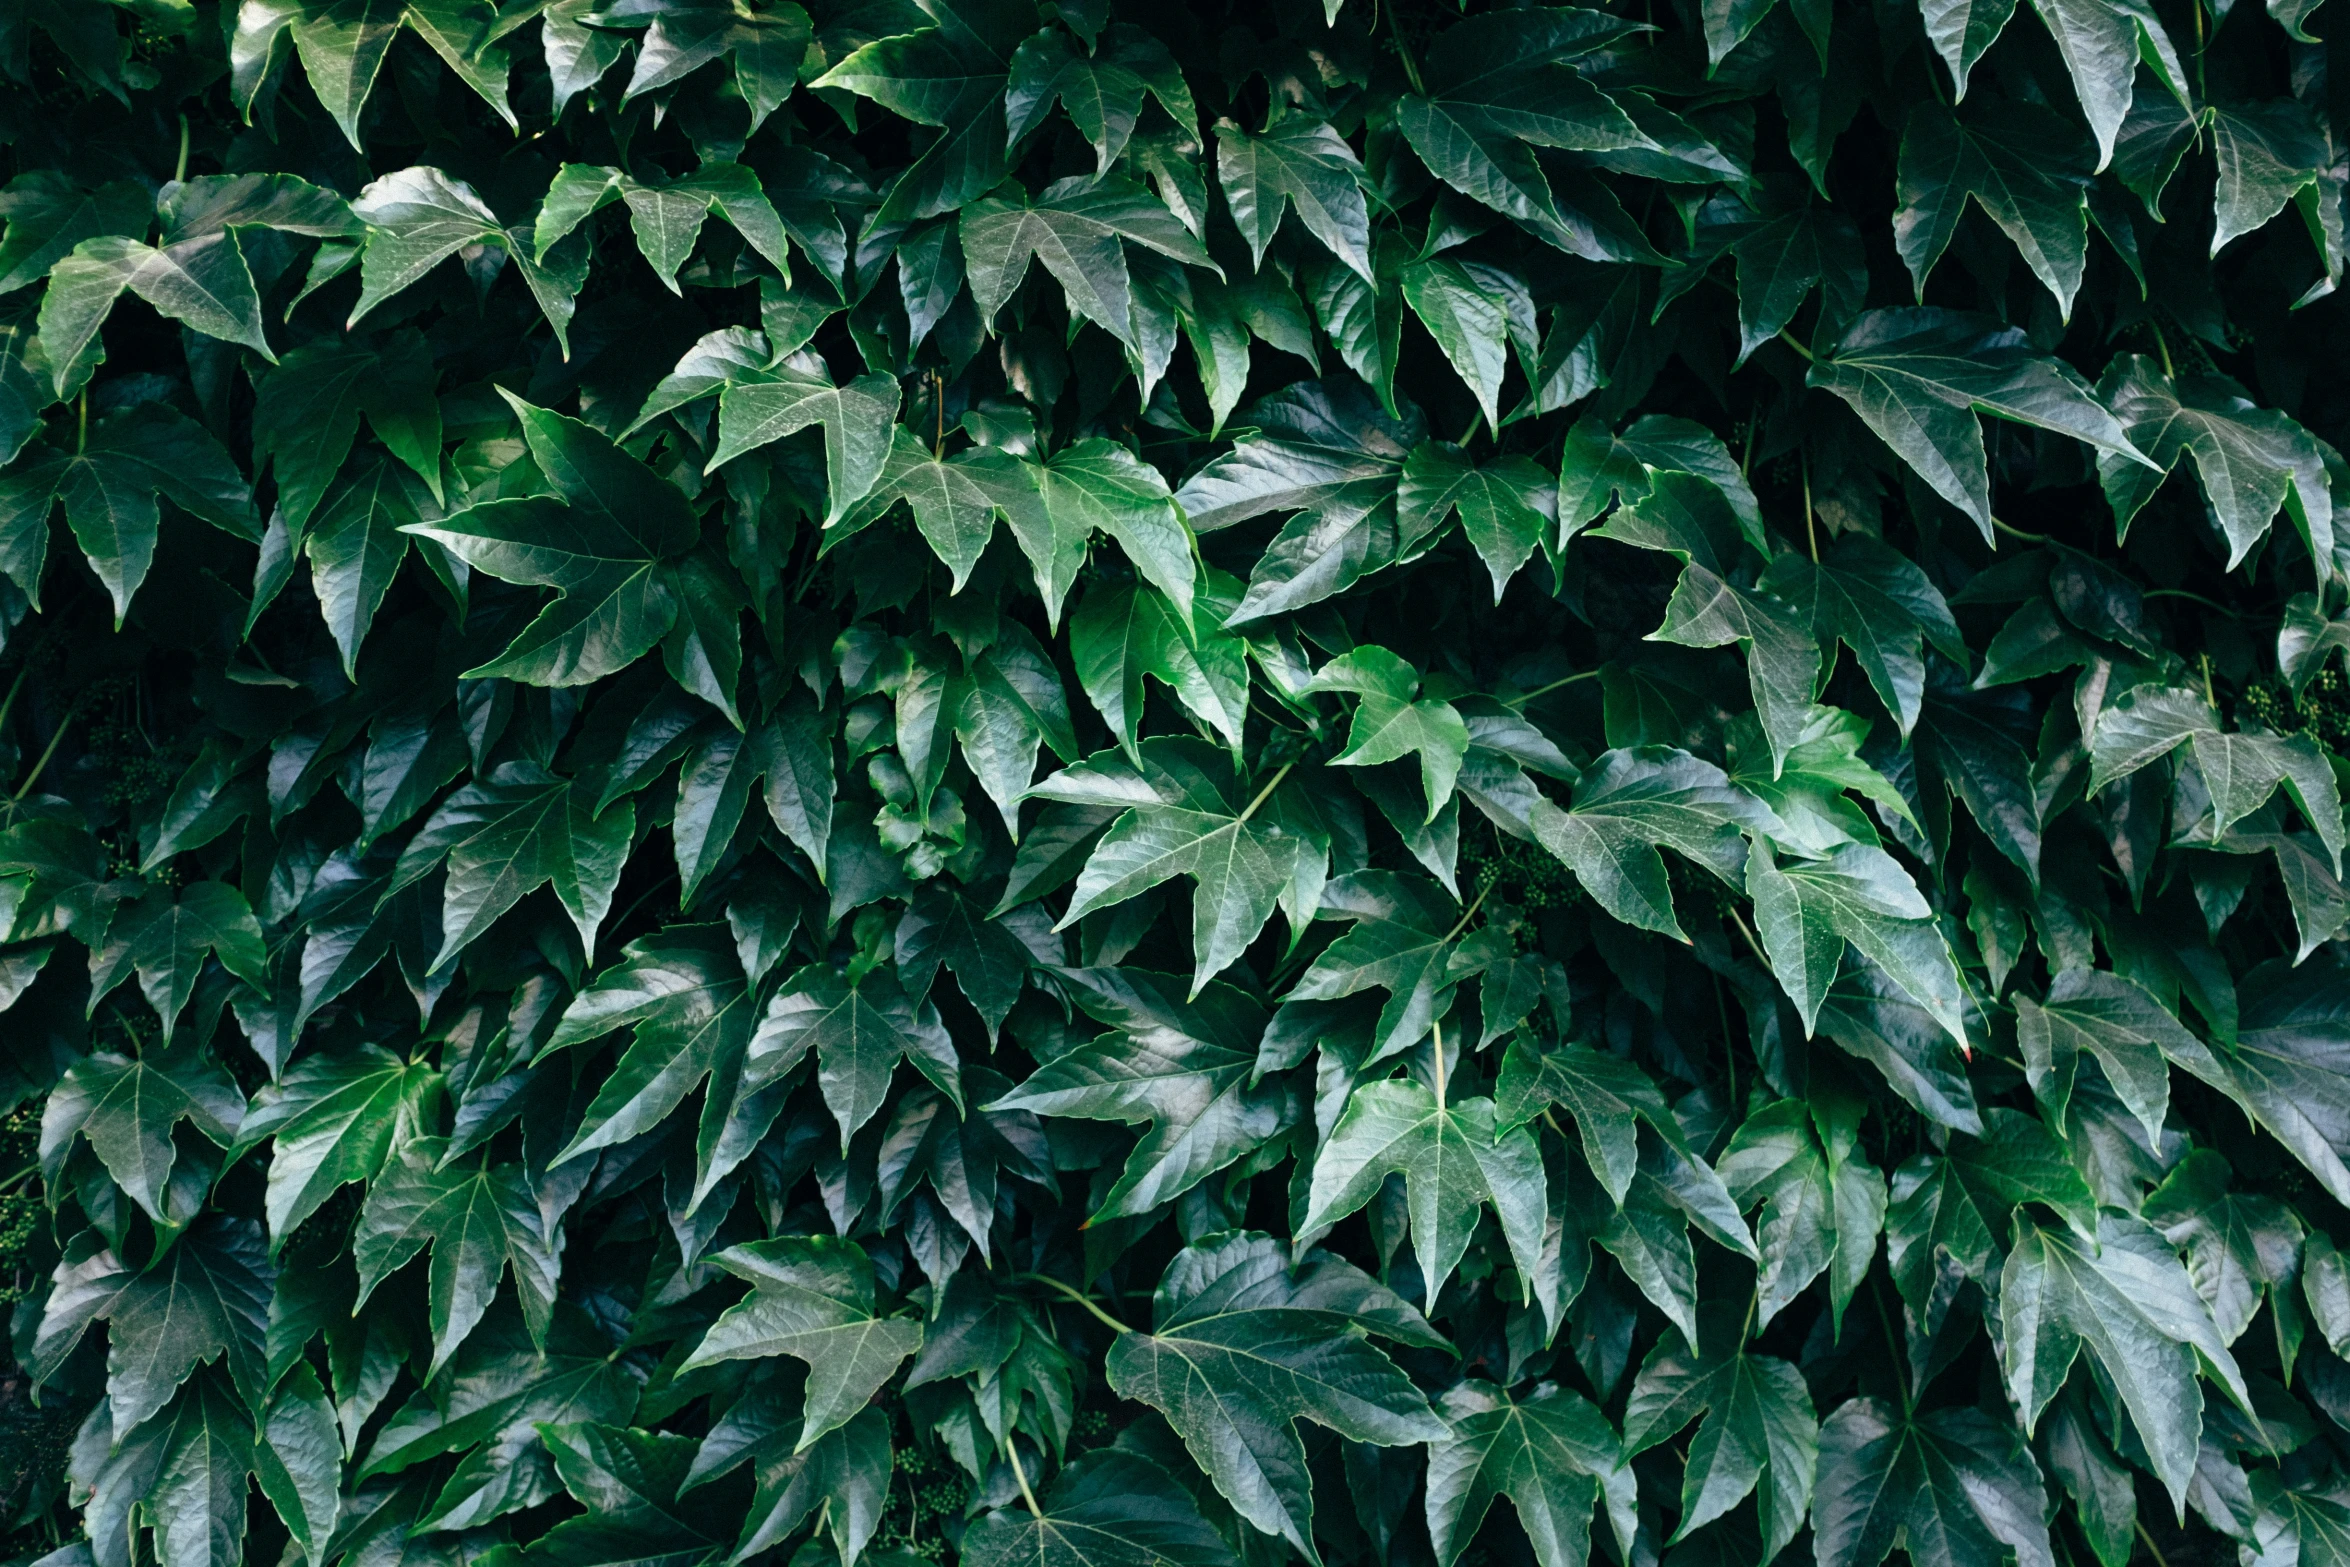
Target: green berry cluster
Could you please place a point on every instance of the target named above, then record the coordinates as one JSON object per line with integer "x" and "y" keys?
{"x": 132, "y": 766}
{"x": 927, "y": 1495}
{"x": 33, "y": 1438}
{"x": 1513, "y": 871}
{"x": 23, "y": 1208}
{"x": 2321, "y": 711}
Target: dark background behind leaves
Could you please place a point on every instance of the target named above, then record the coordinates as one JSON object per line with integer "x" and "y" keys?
{"x": 1184, "y": 784}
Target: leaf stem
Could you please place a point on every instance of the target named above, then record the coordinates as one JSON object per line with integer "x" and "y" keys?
{"x": 1790, "y": 339}
{"x": 34, "y": 776}
{"x": 1468, "y": 913}
{"x": 1076, "y": 1295}
{"x": 2182, "y": 593}
{"x": 2014, "y": 532}
{"x": 1271, "y": 784}
{"x": 1893, "y": 1341}
{"x": 1729, "y": 1044}
{"x": 1811, "y": 528}
{"x": 1553, "y": 686}
{"x": 1747, "y": 931}
{"x": 81, "y": 438}
{"x": 1411, "y": 67}
{"x": 179, "y": 170}
{"x": 1012, "y": 1451}
{"x": 2162, "y": 343}
{"x": 1438, "y": 1027}
{"x": 2153, "y": 1549}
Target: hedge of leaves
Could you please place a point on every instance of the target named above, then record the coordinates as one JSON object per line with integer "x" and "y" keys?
{"x": 1095, "y": 784}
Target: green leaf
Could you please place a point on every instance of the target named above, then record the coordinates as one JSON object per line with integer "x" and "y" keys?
{"x": 199, "y": 1495}
{"x": 1805, "y": 910}
{"x": 1639, "y": 467}
{"x": 1107, "y": 1509}
{"x": 49, "y": 214}
{"x": 767, "y": 45}
{"x": 692, "y": 1016}
{"x": 2134, "y": 1039}
{"x": 2126, "y": 1299}
{"x": 1303, "y": 164}
{"x": 1403, "y": 941}
{"x": 1102, "y": 91}
{"x": 1629, "y": 804}
{"x": 307, "y": 411}
{"x": 2269, "y": 153}
{"x": 1877, "y": 603}
{"x": 1953, "y": 1486}
{"x": 857, "y": 419}
{"x": 2237, "y": 1246}
{"x": 1317, "y": 446}
{"x": 478, "y": 1222}
{"x": 666, "y": 216}
{"x": 953, "y": 507}
{"x": 356, "y": 547}
{"x": 26, "y": 386}
{"x": 1470, "y": 323}
{"x": 2286, "y": 1071}
{"x": 1506, "y": 507}
{"x": 1245, "y": 1345}
{"x": 602, "y": 546}
{"x": 167, "y": 940}
{"x": 206, "y": 1299}
{"x": 1391, "y": 721}
{"x": 1822, "y": 1207}
{"x": 1603, "y": 1094}
{"x": 1099, "y": 486}
{"x": 844, "y": 1478}
{"x": 811, "y": 1298}
{"x": 1759, "y": 1432}
{"x": 628, "y": 1481}
{"x": 127, "y": 1110}
{"x": 1184, "y": 1066}
{"x": 332, "y": 1120}
{"x": 487, "y": 1406}
{"x": 1782, "y": 653}
{"x": 1078, "y": 228}
{"x": 203, "y": 282}
{"x": 1919, "y": 377}
{"x": 859, "y": 1030}
{"x": 1783, "y": 258}
{"x": 1550, "y": 1453}
{"x": 108, "y": 488}
{"x": 2026, "y": 169}
{"x": 299, "y": 1458}
{"x": 954, "y": 76}
{"x": 1455, "y": 1163}
{"x": 2252, "y": 461}
{"x": 1239, "y": 863}
{"x": 1499, "y": 87}
{"x": 2240, "y": 771}
{"x": 505, "y": 838}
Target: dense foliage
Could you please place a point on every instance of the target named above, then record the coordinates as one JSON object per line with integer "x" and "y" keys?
{"x": 1582, "y": 793}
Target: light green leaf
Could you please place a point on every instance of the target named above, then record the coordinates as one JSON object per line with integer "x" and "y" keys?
{"x": 1919, "y": 377}
{"x": 811, "y": 1298}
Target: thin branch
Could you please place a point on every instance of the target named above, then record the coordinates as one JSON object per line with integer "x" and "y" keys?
{"x": 1076, "y": 1295}
{"x": 1567, "y": 680}
{"x": 1012, "y": 1451}
{"x": 1271, "y": 784}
